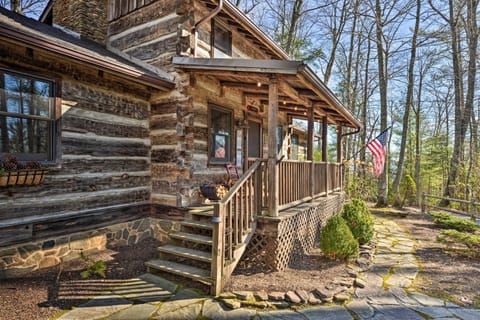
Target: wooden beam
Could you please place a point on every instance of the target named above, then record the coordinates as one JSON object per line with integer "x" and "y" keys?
{"x": 263, "y": 96}
{"x": 272, "y": 147}
{"x": 293, "y": 93}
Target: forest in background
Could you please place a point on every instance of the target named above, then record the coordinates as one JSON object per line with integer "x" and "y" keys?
{"x": 408, "y": 64}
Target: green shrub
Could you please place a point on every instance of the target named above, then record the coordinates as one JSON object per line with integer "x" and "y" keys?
{"x": 447, "y": 221}
{"x": 359, "y": 220}
{"x": 93, "y": 267}
{"x": 457, "y": 238}
{"x": 337, "y": 241}
{"x": 408, "y": 191}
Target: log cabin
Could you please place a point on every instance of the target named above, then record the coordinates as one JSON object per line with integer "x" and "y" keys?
{"x": 133, "y": 106}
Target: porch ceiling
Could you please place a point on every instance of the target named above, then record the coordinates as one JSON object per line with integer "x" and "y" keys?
{"x": 299, "y": 87}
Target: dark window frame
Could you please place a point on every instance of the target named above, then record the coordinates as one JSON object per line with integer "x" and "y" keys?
{"x": 230, "y": 150}
{"x": 227, "y": 48}
{"x": 52, "y": 122}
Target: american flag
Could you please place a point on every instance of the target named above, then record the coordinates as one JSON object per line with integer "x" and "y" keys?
{"x": 378, "y": 148}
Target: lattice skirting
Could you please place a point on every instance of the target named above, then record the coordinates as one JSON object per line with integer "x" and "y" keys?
{"x": 280, "y": 241}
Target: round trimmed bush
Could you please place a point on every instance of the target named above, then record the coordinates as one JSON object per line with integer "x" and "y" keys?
{"x": 337, "y": 241}
{"x": 359, "y": 220}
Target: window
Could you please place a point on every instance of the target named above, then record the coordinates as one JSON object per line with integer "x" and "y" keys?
{"x": 222, "y": 41}
{"x": 220, "y": 146}
{"x": 26, "y": 116}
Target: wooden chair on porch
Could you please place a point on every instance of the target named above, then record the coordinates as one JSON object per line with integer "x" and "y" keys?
{"x": 232, "y": 173}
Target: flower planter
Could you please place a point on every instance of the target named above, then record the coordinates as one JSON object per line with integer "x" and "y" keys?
{"x": 213, "y": 191}
{"x": 22, "y": 177}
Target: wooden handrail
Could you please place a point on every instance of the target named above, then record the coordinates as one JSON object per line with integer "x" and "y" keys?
{"x": 234, "y": 223}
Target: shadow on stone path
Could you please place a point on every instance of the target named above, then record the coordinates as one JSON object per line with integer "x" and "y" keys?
{"x": 385, "y": 295}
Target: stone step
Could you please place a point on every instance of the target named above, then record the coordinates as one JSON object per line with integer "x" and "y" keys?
{"x": 180, "y": 270}
{"x": 196, "y": 238}
{"x": 197, "y": 224}
{"x": 186, "y": 253}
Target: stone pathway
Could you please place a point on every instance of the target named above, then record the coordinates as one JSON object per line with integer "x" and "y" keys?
{"x": 380, "y": 292}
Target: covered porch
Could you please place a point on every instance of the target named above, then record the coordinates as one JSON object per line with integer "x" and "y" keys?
{"x": 286, "y": 90}
{"x": 278, "y": 201}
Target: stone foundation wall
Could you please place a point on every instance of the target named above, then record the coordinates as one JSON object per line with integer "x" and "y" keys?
{"x": 17, "y": 261}
{"x": 280, "y": 241}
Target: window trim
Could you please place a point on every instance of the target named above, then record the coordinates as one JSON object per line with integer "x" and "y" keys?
{"x": 231, "y": 136}
{"x": 217, "y": 24}
{"x": 53, "y": 120}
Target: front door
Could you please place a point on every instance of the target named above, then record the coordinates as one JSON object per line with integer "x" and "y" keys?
{"x": 254, "y": 138}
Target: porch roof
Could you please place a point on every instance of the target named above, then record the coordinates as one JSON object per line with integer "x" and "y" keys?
{"x": 299, "y": 86}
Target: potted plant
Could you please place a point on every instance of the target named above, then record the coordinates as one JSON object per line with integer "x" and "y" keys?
{"x": 14, "y": 173}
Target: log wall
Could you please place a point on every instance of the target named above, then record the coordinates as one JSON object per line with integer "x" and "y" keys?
{"x": 102, "y": 171}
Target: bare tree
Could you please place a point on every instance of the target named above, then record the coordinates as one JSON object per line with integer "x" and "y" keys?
{"x": 26, "y": 7}
{"x": 408, "y": 104}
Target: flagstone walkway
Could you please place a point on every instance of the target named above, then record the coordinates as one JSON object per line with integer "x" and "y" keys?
{"x": 386, "y": 295}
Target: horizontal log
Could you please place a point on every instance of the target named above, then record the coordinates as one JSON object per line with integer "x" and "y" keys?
{"x": 64, "y": 184}
{"x": 83, "y": 164}
{"x": 37, "y": 227}
{"x": 142, "y": 16}
{"x": 74, "y": 146}
{"x": 91, "y": 221}
{"x": 15, "y": 234}
{"x": 103, "y": 128}
{"x": 162, "y": 186}
{"x": 146, "y": 32}
{"x": 168, "y": 137}
{"x": 21, "y": 208}
{"x": 165, "y": 121}
{"x": 164, "y": 155}
{"x": 90, "y": 98}
{"x": 150, "y": 50}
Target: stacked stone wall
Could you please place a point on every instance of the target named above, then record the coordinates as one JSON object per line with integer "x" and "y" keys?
{"x": 20, "y": 260}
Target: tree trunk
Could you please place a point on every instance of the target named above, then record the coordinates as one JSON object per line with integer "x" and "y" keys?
{"x": 382, "y": 200}
{"x": 408, "y": 104}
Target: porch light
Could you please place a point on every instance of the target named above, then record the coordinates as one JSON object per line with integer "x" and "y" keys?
{"x": 296, "y": 108}
{"x": 284, "y": 102}
{"x": 259, "y": 84}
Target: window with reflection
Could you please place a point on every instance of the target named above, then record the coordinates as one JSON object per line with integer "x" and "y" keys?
{"x": 26, "y": 116}
{"x": 221, "y": 124}
{"x": 222, "y": 40}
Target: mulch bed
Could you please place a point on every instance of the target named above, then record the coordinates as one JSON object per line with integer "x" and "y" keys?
{"x": 42, "y": 295}
{"x": 52, "y": 290}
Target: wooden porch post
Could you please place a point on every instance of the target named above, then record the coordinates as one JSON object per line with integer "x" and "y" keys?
{"x": 339, "y": 144}
{"x": 311, "y": 129}
{"x": 325, "y": 150}
{"x": 324, "y": 139}
{"x": 310, "y": 134}
{"x": 272, "y": 147}
{"x": 339, "y": 175}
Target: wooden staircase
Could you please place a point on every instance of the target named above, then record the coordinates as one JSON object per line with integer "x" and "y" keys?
{"x": 189, "y": 254}
{"x": 212, "y": 239}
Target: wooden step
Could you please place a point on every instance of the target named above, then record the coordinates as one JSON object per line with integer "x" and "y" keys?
{"x": 204, "y": 213}
{"x": 197, "y": 210}
{"x": 197, "y": 224}
{"x": 180, "y": 269}
{"x": 186, "y": 253}
{"x": 192, "y": 237}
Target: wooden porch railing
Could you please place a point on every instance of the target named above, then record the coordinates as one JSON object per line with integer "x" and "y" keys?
{"x": 234, "y": 223}
{"x": 300, "y": 181}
